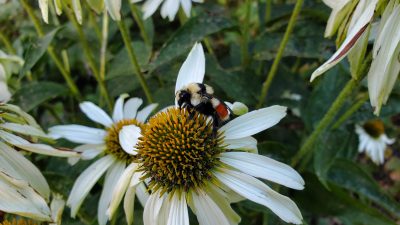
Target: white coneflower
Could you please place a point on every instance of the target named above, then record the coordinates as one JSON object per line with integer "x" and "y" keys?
{"x": 24, "y": 190}
{"x": 187, "y": 164}
{"x": 116, "y": 154}
{"x": 169, "y": 8}
{"x": 373, "y": 140}
{"x": 385, "y": 65}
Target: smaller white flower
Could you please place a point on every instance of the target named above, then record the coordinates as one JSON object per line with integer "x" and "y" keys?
{"x": 169, "y": 8}
{"x": 373, "y": 141}
{"x": 116, "y": 143}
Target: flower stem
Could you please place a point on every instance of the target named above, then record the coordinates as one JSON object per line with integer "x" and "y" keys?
{"x": 50, "y": 50}
{"x": 7, "y": 43}
{"x": 139, "y": 22}
{"x": 267, "y": 11}
{"x": 89, "y": 56}
{"x": 103, "y": 49}
{"x": 278, "y": 57}
{"x": 246, "y": 35}
{"x": 350, "y": 111}
{"x": 132, "y": 57}
{"x": 307, "y": 146}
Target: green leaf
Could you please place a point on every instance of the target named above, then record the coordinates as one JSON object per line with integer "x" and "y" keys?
{"x": 32, "y": 95}
{"x": 195, "y": 29}
{"x": 350, "y": 176}
{"x": 37, "y": 50}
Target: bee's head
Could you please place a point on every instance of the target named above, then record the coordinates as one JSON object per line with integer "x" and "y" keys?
{"x": 182, "y": 96}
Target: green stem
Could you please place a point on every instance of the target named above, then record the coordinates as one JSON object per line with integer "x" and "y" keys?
{"x": 89, "y": 56}
{"x": 7, "y": 43}
{"x": 278, "y": 57}
{"x": 132, "y": 57}
{"x": 307, "y": 146}
{"x": 104, "y": 39}
{"x": 139, "y": 22}
{"x": 246, "y": 35}
{"x": 268, "y": 6}
{"x": 351, "y": 111}
{"x": 50, "y": 50}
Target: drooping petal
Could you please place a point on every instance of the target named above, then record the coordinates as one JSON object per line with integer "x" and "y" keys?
{"x": 264, "y": 167}
{"x": 58, "y": 6}
{"x": 178, "y": 213}
{"x": 129, "y": 137}
{"x": 255, "y": 190}
{"x": 23, "y": 129}
{"x": 152, "y": 208}
{"x": 186, "y": 6}
{"x": 96, "y": 114}
{"x": 149, "y": 7}
{"x": 86, "y": 181}
{"x": 352, "y": 37}
{"x": 143, "y": 114}
{"x": 5, "y": 94}
{"x": 57, "y": 207}
{"x": 118, "y": 113}
{"x": 207, "y": 212}
{"x": 76, "y": 5}
{"x": 131, "y": 108}
{"x": 114, "y": 8}
{"x": 169, "y": 9}
{"x": 90, "y": 151}
{"x": 36, "y": 148}
{"x": 113, "y": 174}
{"x": 246, "y": 144}
{"x": 129, "y": 204}
{"x": 44, "y": 8}
{"x": 193, "y": 69}
{"x": 120, "y": 188}
{"x": 253, "y": 122}
{"x": 222, "y": 199}
{"x": 78, "y": 134}
{"x": 339, "y": 10}
{"x": 142, "y": 193}
{"x": 18, "y": 197}
{"x": 16, "y": 165}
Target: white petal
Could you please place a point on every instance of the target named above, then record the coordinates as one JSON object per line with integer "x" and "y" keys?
{"x": 193, "y": 69}
{"x": 118, "y": 113}
{"x": 57, "y": 207}
{"x": 23, "y": 129}
{"x": 129, "y": 204}
{"x": 114, "y": 8}
{"x": 207, "y": 212}
{"x": 96, "y": 114}
{"x": 169, "y": 9}
{"x": 145, "y": 112}
{"x": 112, "y": 176}
{"x": 152, "y": 208}
{"x": 129, "y": 137}
{"x": 352, "y": 37}
{"x": 120, "y": 188}
{"x": 264, "y": 167}
{"x": 257, "y": 191}
{"x": 17, "y": 110}
{"x": 253, "y": 122}
{"x": 78, "y": 134}
{"x": 246, "y": 143}
{"x": 339, "y": 11}
{"x": 36, "y": 148}
{"x": 149, "y": 7}
{"x": 58, "y": 6}
{"x": 18, "y": 197}
{"x": 222, "y": 199}
{"x": 76, "y": 5}
{"x": 5, "y": 94}
{"x": 178, "y": 213}
{"x": 44, "y": 8}
{"x": 186, "y": 6}
{"x": 16, "y": 165}
{"x": 131, "y": 107}
{"x": 86, "y": 181}
{"x": 142, "y": 194}
{"x": 90, "y": 151}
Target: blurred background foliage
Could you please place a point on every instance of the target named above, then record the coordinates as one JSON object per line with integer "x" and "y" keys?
{"x": 342, "y": 187}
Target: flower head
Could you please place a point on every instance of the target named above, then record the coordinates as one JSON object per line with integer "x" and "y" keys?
{"x": 187, "y": 164}
{"x": 373, "y": 140}
{"x": 169, "y": 8}
{"x": 118, "y": 155}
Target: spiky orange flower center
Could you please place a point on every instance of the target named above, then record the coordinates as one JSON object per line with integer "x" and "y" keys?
{"x": 178, "y": 150}
{"x": 374, "y": 128}
{"x": 112, "y": 139}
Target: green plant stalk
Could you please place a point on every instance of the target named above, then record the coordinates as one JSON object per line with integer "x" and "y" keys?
{"x": 351, "y": 111}
{"x": 139, "y": 22}
{"x": 307, "y": 146}
{"x": 278, "y": 57}
{"x": 132, "y": 57}
{"x": 268, "y": 6}
{"x": 7, "y": 43}
{"x": 50, "y": 50}
{"x": 246, "y": 35}
{"x": 103, "y": 49}
{"x": 89, "y": 56}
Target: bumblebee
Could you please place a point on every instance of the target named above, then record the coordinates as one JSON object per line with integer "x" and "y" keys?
{"x": 200, "y": 97}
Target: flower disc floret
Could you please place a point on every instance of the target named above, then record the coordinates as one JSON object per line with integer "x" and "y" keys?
{"x": 374, "y": 128}
{"x": 113, "y": 146}
{"x": 178, "y": 150}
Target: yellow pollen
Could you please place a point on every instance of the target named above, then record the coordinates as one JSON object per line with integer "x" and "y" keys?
{"x": 18, "y": 222}
{"x": 374, "y": 128}
{"x": 112, "y": 139}
{"x": 178, "y": 150}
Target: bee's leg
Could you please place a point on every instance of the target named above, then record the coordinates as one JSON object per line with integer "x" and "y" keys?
{"x": 216, "y": 124}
